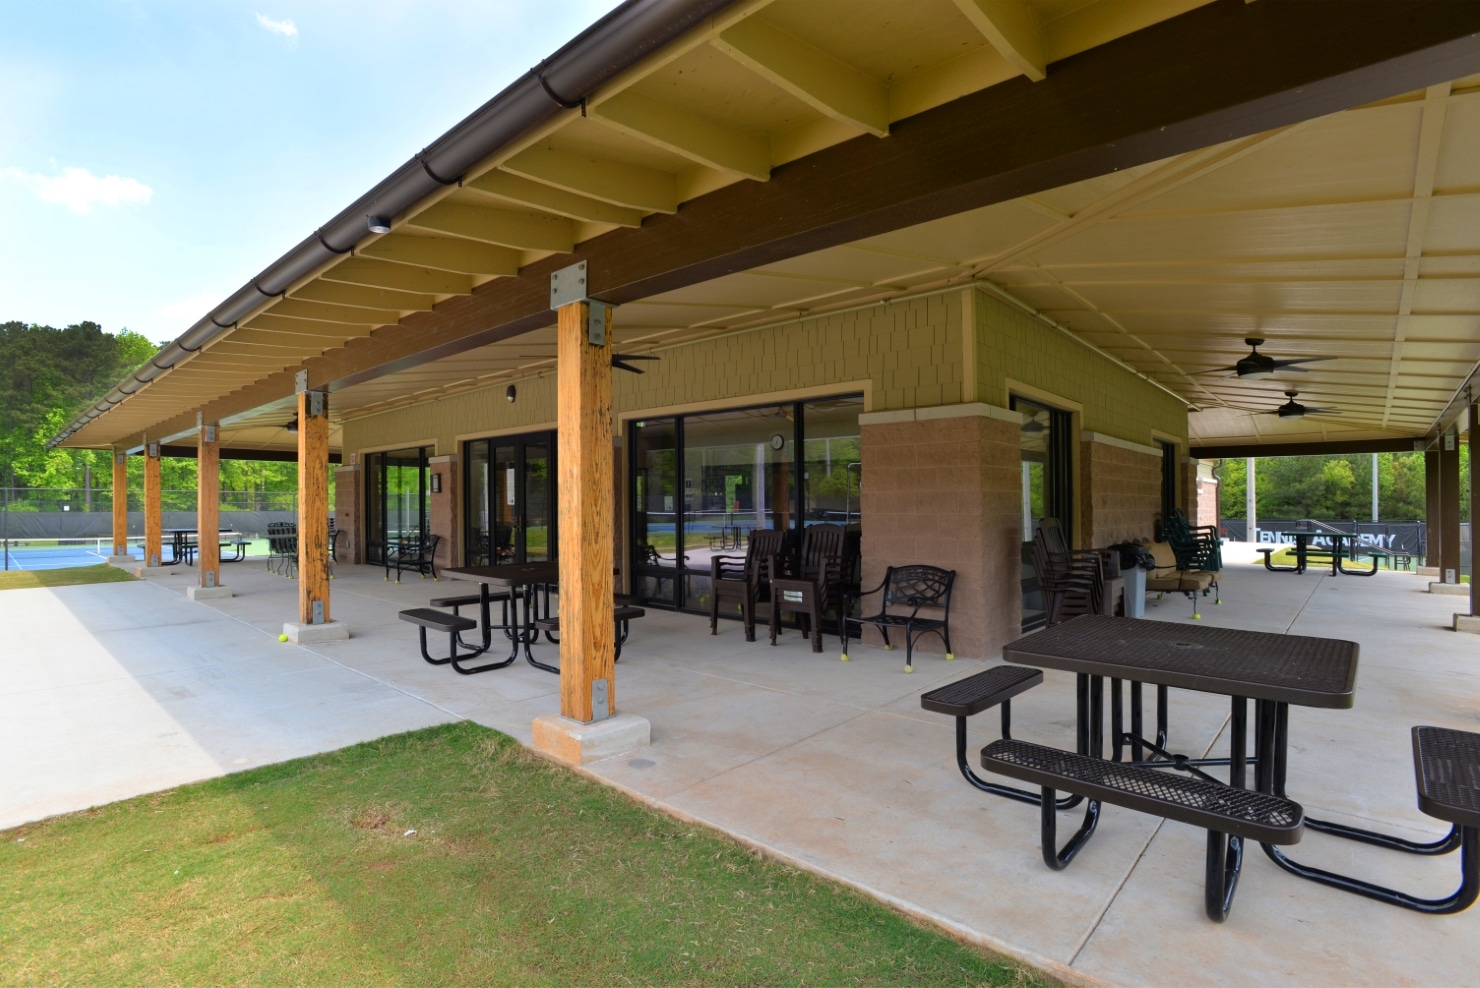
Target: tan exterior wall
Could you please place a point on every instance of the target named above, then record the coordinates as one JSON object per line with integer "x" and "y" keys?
{"x": 947, "y": 492}
{"x": 1120, "y": 495}
{"x": 1013, "y": 347}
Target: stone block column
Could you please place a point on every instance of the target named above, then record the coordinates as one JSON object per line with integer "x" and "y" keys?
{"x": 1119, "y": 490}
{"x": 943, "y": 486}
{"x": 446, "y": 509}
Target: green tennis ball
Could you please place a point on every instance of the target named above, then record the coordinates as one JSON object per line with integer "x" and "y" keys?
{"x": 282, "y": 638}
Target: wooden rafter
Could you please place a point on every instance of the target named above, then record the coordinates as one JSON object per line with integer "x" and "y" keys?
{"x": 501, "y": 227}
{"x": 824, "y": 82}
{"x": 616, "y": 182}
{"x": 1013, "y": 28}
{"x": 696, "y": 137}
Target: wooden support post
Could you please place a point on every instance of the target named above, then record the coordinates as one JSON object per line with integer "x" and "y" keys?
{"x": 313, "y": 507}
{"x": 1449, "y": 507}
{"x": 208, "y": 505}
{"x": 153, "y": 520}
{"x": 584, "y": 380}
{"x": 120, "y": 503}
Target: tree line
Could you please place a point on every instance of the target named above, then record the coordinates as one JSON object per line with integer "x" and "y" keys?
{"x": 49, "y": 375}
{"x": 1334, "y": 487}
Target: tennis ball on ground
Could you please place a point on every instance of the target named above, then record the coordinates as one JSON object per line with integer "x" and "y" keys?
{"x": 282, "y": 638}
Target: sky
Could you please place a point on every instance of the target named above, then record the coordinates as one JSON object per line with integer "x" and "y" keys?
{"x": 155, "y": 155}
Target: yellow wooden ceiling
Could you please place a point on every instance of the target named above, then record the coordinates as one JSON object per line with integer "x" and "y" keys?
{"x": 1351, "y": 236}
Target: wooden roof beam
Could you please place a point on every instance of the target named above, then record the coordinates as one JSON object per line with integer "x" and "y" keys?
{"x": 1011, "y": 27}
{"x": 827, "y": 84}
{"x": 546, "y": 198}
{"x": 501, "y": 227}
{"x": 696, "y": 137}
{"x": 460, "y": 256}
{"x": 616, "y": 182}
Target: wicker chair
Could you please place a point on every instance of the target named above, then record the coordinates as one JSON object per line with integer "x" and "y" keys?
{"x": 744, "y": 580}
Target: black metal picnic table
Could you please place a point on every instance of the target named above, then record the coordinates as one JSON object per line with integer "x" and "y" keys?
{"x": 1275, "y": 671}
{"x": 522, "y": 580}
{"x": 1310, "y": 529}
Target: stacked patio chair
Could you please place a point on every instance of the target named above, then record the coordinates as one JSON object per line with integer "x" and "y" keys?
{"x": 744, "y": 580}
{"x": 282, "y": 547}
{"x": 1072, "y": 580}
{"x": 815, "y": 585}
{"x": 1197, "y": 548}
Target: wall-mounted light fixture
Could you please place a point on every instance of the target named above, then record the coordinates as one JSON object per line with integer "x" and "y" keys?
{"x": 378, "y": 224}
{"x": 511, "y": 393}
{"x": 436, "y": 483}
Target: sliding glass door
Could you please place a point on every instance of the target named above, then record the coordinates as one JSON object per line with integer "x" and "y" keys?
{"x": 396, "y": 498}
{"x": 701, "y": 483}
{"x": 1047, "y": 457}
{"x": 510, "y": 499}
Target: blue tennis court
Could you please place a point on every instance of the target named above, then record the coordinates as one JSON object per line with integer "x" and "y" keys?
{"x": 54, "y": 553}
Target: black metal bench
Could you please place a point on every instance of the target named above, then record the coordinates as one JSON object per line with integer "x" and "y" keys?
{"x": 970, "y": 696}
{"x": 914, "y": 587}
{"x": 1446, "y": 766}
{"x": 418, "y": 555}
{"x": 452, "y": 624}
{"x": 622, "y": 614}
{"x": 1230, "y": 815}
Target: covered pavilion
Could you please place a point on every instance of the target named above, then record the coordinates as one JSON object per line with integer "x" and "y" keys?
{"x": 935, "y": 269}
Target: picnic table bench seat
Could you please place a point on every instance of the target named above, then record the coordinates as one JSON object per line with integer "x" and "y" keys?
{"x": 452, "y": 624}
{"x": 1446, "y": 766}
{"x": 1229, "y": 814}
{"x": 970, "y": 696}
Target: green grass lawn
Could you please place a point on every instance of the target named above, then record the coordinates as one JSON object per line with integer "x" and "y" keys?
{"x": 518, "y": 872}
{"x": 72, "y": 576}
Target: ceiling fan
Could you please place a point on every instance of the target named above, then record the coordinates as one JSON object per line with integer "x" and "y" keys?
{"x": 1292, "y": 409}
{"x": 1259, "y": 365}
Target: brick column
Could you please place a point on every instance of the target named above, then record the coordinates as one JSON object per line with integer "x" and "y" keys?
{"x": 347, "y": 514}
{"x": 1119, "y": 490}
{"x": 446, "y": 520}
{"x": 947, "y": 491}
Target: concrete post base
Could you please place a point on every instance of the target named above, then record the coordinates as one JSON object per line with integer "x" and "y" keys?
{"x": 575, "y": 743}
{"x": 122, "y": 562}
{"x": 309, "y": 634}
{"x": 1427, "y": 571}
{"x": 207, "y": 593}
{"x": 1467, "y": 622}
{"x": 1452, "y": 589}
{"x": 152, "y": 572}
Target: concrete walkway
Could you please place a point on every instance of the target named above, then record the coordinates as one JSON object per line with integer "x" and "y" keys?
{"x": 832, "y": 766}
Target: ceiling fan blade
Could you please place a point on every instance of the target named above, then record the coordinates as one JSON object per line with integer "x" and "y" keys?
{"x": 1320, "y": 411}
{"x": 1291, "y": 364}
{"x": 1224, "y": 373}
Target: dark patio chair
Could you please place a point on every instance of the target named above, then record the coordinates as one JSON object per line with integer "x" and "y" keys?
{"x": 744, "y": 580}
{"x": 1073, "y": 582}
{"x": 815, "y": 584}
{"x": 906, "y": 591}
{"x": 418, "y": 555}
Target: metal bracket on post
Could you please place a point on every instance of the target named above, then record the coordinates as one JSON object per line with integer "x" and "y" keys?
{"x": 318, "y": 613}
{"x": 601, "y": 707}
{"x": 569, "y": 285}
{"x": 300, "y": 381}
{"x": 152, "y": 450}
{"x": 120, "y": 458}
{"x": 210, "y": 578}
{"x": 317, "y": 404}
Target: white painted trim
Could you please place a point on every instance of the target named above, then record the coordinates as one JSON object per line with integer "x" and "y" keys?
{"x": 449, "y": 458}
{"x": 973, "y": 409}
{"x": 1104, "y": 440}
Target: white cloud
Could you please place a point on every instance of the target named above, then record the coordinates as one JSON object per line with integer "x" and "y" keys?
{"x": 285, "y": 27}
{"x": 190, "y": 309}
{"x": 79, "y": 189}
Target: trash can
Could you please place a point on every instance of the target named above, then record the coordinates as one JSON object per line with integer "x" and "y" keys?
{"x": 1135, "y": 591}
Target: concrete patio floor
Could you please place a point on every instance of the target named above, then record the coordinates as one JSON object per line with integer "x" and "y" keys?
{"x": 114, "y": 690}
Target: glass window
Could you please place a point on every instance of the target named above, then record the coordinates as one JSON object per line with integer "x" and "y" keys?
{"x": 702, "y": 483}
